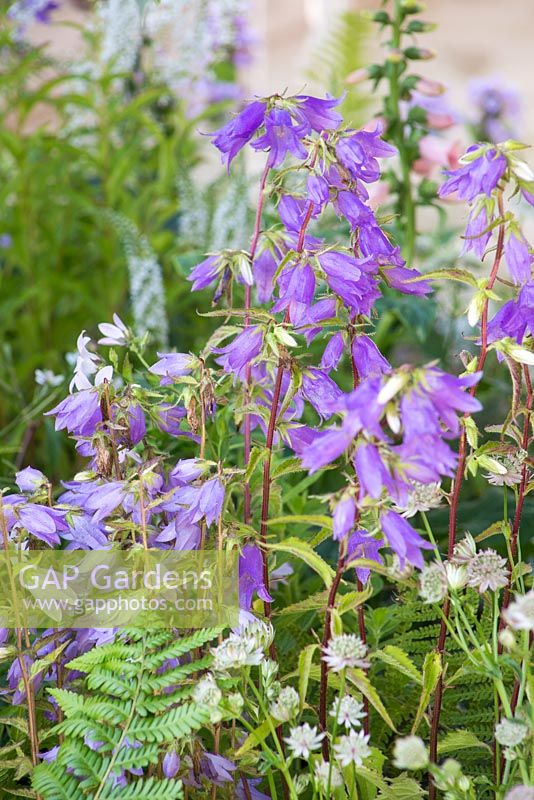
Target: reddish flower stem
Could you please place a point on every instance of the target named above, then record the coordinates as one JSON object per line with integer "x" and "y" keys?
{"x": 457, "y": 486}
{"x": 246, "y": 423}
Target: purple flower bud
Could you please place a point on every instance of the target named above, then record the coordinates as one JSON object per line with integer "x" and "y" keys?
{"x": 333, "y": 352}
{"x": 251, "y": 577}
{"x": 372, "y": 473}
{"x": 233, "y": 136}
{"x": 137, "y": 424}
{"x": 317, "y": 190}
{"x": 368, "y": 358}
{"x": 171, "y": 764}
{"x": 343, "y": 518}
{"x": 30, "y": 479}
{"x": 403, "y": 539}
{"x": 401, "y": 278}
{"x": 518, "y": 258}
{"x": 297, "y": 287}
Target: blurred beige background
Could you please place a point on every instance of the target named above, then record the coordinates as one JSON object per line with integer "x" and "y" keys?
{"x": 474, "y": 38}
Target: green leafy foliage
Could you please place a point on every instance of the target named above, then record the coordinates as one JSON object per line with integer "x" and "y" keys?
{"x": 122, "y": 717}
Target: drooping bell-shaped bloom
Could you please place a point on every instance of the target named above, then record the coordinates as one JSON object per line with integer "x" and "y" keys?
{"x": 282, "y": 136}
{"x": 320, "y": 391}
{"x": 103, "y": 499}
{"x": 297, "y": 287}
{"x": 317, "y": 190}
{"x": 84, "y": 534}
{"x": 171, "y": 764}
{"x": 448, "y": 396}
{"x": 169, "y": 418}
{"x": 403, "y": 539}
{"x": 204, "y": 501}
{"x": 518, "y": 258}
{"x": 356, "y": 288}
{"x": 263, "y": 270}
{"x": 359, "y": 152}
{"x": 233, "y": 136}
{"x": 479, "y": 176}
{"x": 373, "y": 475}
{"x": 136, "y": 423}
{"x": 516, "y": 318}
{"x": 477, "y": 234}
{"x": 237, "y": 355}
{"x": 43, "y": 522}
{"x": 79, "y": 413}
{"x": 173, "y": 365}
{"x": 344, "y": 517}
{"x": 333, "y": 352}
{"x": 318, "y": 112}
{"x": 251, "y": 580}
{"x": 205, "y": 273}
{"x": 362, "y": 544}
{"x": 403, "y": 279}
{"x": 368, "y": 359}
{"x": 30, "y": 479}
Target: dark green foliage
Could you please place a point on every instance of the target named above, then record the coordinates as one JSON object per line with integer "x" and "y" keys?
{"x": 122, "y": 704}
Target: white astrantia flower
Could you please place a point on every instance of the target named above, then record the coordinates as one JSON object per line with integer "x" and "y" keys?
{"x": 512, "y": 464}
{"x": 520, "y": 614}
{"x": 487, "y": 570}
{"x": 257, "y": 633}
{"x": 349, "y": 712}
{"x": 422, "y": 497}
{"x": 303, "y": 740}
{"x": 433, "y": 583}
{"x": 234, "y": 653}
{"x": 345, "y": 650}
{"x": 510, "y": 732}
{"x": 286, "y": 705}
{"x": 352, "y": 749}
{"x": 410, "y": 753}
{"x": 327, "y": 774}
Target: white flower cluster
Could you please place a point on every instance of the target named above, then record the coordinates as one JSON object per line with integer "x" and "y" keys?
{"x": 345, "y": 650}
{"x": 243, "y": 647}
{"x": 348, "y": 711}
{"x": 510, "y": 732}
{"x": 286, "y": 705}
{"x": 410, "y": 753}
{"x": 120, "y": 23}
{"x": 520, "y": 614}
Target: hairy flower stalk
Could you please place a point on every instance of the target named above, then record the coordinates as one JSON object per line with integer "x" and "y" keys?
{"x": 456, "y": 488}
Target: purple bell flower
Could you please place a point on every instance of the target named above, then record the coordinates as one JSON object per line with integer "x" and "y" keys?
{"x": 403, "y": 539}
{"x": 263, "y": 270}
{"x": 318, "y": 191}
{"x": 281, "y": 137}
{"x": 172, "y": 365}
{"x": 479, "y": 176}
{"x": 368, "y": 358}
{"x": 476, "y": 234}
{"x": 362, "y": 545}
{"x": 359, "y": 152}
{"x": 515, "y": 318}
{"x": 518, "y": 258}
{"x": 251, "y": 577}
{"x": 171, "y": 764}
{"x": 320, "y": 390}
{"x": 30, "y": 479}
{"x": 318, "y": 112}
{"x": 236, "y": 356}
{"x": 353, "y": 285}
{"x": 373, "y": 475}
{"x": 169, "y": 418}
{"x": 43, "y": 522}
{"x": 79, "y": 413}
{"x": 343, "y": 517}
{"x": 205, "y": 273}
{"x": 333, "y": 352}
{"x": 297, "y": 288}
{"x": 233, "y": 136}
{"x": 84, "y": 534}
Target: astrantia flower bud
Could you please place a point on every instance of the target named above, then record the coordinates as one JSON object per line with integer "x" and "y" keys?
{"x": 456, "y": 575}
{"x": 327, "y": 774}
{"x": 422, "y": 497}
{"x": 464, "y": 550}
{"x": 286, "y": 706}
{"x": 410, "y": 753}
{"x": 507, "y": 639}
{"x": 510, "y": 732}
{"x": 207, "y": 692}
{"x": 487, "y": 570}
{"x": 433, "y": 583}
